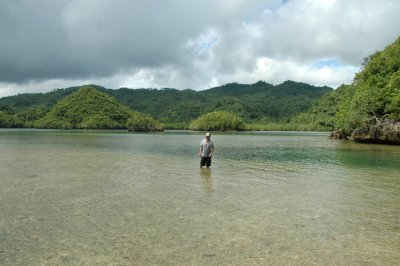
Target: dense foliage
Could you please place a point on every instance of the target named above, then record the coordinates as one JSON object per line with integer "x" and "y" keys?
{"x": 256, "y": 103}
{"x": 377, "y": 91}
{"x": 369, "y": 108}
{"x": 323, "y": 114}
{"x": 87, "y": 108}
{"x": 218, "y": 120}
{"x": 9, "y": 121}
{"x": 142, "y": 122}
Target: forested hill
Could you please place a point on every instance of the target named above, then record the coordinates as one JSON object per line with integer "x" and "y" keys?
{"x": 253, "y": 102}
{"x": 368, "y": 109}
{"x": 86, "y": 108}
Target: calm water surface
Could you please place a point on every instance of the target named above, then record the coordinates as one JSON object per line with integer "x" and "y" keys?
{"x": 270, "y": 198}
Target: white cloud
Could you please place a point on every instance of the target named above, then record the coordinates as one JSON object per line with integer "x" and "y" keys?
{"x": 276, "y": 72}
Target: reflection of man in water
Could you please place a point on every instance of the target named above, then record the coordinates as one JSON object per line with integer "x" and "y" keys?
{"x": 207, "y": 180}
{"x": 206, "y": 151}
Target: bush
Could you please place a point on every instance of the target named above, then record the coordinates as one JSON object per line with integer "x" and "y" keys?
{"x": 219, "y": 120}
{"x": 144, "y": 123}
{"x": 10, "y": 121}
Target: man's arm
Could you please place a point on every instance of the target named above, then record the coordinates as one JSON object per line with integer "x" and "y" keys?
{"x": 212, "y": 150}
{"x": 201, "y": 149}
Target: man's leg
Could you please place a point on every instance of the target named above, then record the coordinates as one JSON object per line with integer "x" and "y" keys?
{"x": 202, "y": 162}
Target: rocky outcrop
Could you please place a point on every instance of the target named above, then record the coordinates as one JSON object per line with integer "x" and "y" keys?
{"x": 386, "y": 132}
{"x": 338, "y": 134}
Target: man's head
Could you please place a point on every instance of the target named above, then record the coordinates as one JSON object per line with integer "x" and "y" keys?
{"x": 208, "y": 135}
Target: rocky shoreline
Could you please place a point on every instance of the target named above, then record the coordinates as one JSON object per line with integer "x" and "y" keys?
{"x": 380, "y": 133}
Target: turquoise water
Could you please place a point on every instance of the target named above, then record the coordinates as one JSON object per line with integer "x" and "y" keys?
{"x": 270, "y": 198}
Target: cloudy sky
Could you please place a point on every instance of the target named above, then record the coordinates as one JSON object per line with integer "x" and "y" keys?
{"x": 197, "y": 44}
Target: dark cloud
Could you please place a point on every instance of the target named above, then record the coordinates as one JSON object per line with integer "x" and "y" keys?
{"x": 75, "y": 39}
{"x": 196, "y": 44}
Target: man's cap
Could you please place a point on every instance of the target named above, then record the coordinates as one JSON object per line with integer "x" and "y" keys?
{"x": 207, "y": 134}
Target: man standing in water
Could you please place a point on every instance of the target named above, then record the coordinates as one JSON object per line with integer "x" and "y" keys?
{"x": 206, "y": 151}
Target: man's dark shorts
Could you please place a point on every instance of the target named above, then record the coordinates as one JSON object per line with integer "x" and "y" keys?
{"x": 205, "y": 161}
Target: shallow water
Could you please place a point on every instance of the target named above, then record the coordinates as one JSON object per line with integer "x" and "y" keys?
{"x": 270, "y": 198}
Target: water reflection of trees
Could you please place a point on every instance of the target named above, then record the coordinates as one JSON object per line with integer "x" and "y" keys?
{"x": 374, "y": 156}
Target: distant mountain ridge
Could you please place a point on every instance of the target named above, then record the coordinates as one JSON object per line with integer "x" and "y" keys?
{"x": 260, "y": 101}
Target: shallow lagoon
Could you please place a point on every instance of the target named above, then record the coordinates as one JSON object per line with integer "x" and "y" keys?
{"x": 114, "y": 198}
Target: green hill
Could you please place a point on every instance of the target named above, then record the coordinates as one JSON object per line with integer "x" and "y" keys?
{"x": 369, "y": 108}
{"x": 88, "y": 108}
{"x": 373, "y": 113}
{"x": 377, "y": 91}
{"x": 323, "y": 114}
